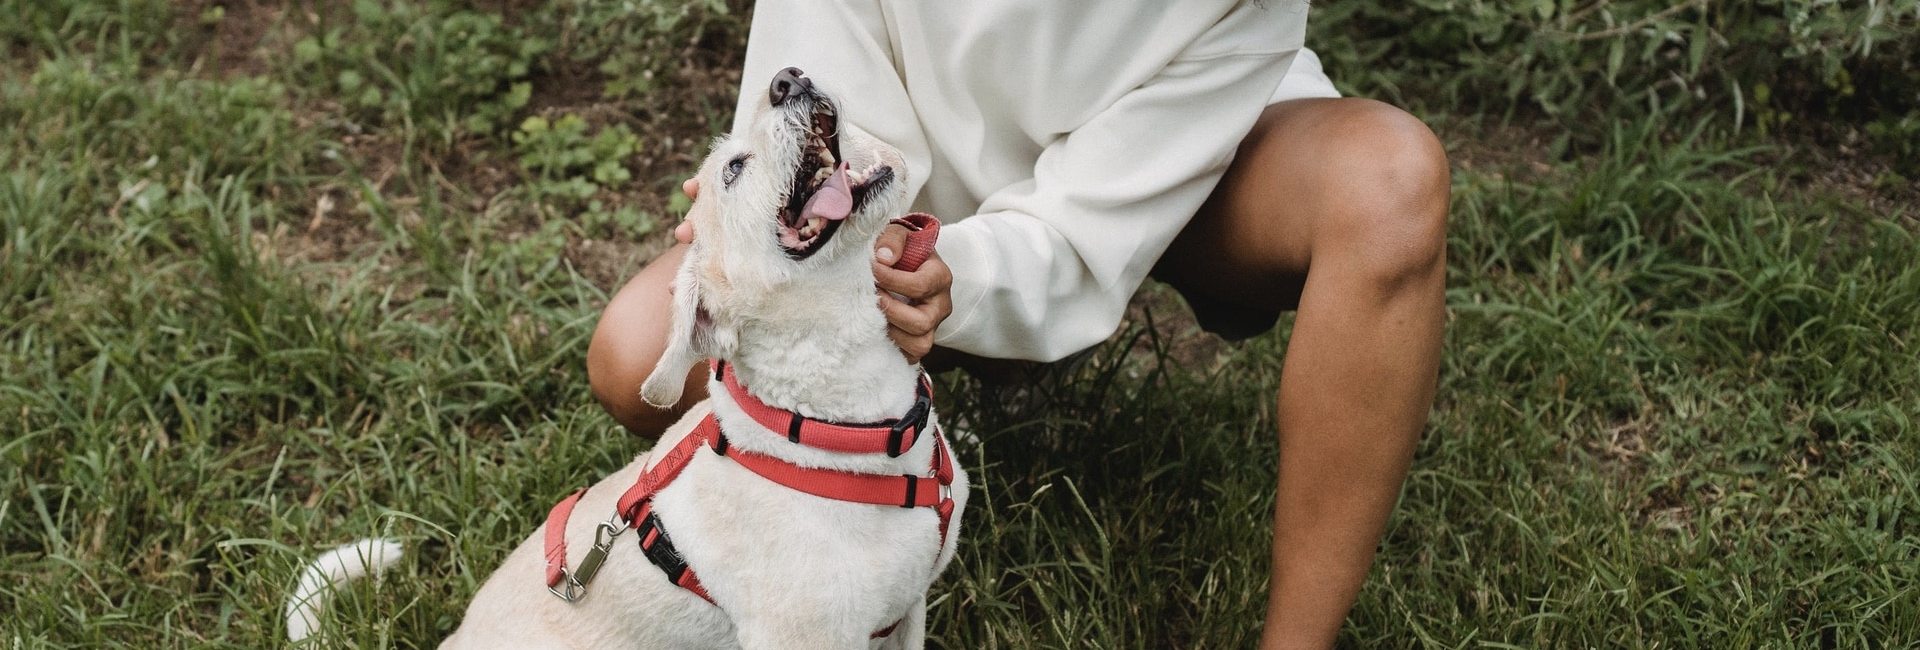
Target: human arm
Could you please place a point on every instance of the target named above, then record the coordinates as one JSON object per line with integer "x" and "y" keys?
{"x": 1047, "y": 266}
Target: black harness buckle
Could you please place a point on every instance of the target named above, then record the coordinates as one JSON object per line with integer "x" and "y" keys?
{"x": 915, "y": 419}
{"x": 661, "y": 552}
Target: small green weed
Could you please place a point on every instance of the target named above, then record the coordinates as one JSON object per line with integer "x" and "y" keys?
{"x": 430, "y": 67}
{"x": 570, "y": 167}
{"x": 568, "y": 162}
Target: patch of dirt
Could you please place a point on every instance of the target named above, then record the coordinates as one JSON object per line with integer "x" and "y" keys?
{"x": 566, "y": 86}
{"x": 1672, "y": 507}
{"x": 1179, "y": 332}
{"x": 1504, "y": 151}
{"x": 330, "y": 234}
{"x": 334, "y": 224}
{"x": 608, "y": 264}
{"x": 471, "y": 168}
{"x": 511, "y": 10}
{"x": 1623, "y": 444}
{"x": 234, "y": 44}
{"x": 1860, "y": 178}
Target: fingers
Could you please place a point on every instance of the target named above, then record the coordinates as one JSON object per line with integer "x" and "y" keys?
{"x": 922, "y": 301}
{"x": 887, "y": 248}
{"x": 912, "y": 347}
{"x": 912, "y": 326}
{"x": 914, "y": 320}
{"x": 683, "y": 233}
{"x": 931, "y": 279}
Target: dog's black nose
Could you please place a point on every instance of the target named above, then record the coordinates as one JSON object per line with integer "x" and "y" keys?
{"x": 787, "y": 84}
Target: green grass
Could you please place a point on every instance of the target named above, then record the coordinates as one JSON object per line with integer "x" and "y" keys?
{"x": 250, "y": 312}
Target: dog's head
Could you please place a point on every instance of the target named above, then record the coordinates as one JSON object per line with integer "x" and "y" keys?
{"x": 789, "y": 204}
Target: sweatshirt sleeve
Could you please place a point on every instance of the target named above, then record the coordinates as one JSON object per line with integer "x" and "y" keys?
{"x": 1046, "y": 267}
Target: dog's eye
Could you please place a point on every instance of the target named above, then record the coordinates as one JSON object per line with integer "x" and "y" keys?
{"x": 733, "y": 170}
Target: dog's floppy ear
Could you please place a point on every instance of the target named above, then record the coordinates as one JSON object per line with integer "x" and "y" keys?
{"x": 692, "y": 339}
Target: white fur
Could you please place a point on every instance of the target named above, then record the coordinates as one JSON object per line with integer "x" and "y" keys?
{"x": 788, "y": 569}
{"x": 328, "y": 572}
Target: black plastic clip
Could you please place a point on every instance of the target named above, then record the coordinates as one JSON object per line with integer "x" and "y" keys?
{"x": 916, "y": 419}
{"x": 661, "y": 553}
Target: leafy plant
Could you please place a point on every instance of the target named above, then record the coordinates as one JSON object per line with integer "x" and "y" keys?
{"x": 570, "y": 164}
{"x": 422, "y": 65}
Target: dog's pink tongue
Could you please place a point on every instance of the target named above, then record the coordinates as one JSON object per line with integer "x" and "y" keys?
{"x": 833, "y": 201}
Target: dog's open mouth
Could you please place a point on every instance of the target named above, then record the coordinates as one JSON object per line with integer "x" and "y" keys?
{"x": 825, "y": 190}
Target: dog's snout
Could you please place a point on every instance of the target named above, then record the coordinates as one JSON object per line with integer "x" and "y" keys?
{"x": 787, "y": 84}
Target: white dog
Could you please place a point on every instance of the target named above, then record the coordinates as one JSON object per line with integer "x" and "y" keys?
{"x": 765, "y": 524}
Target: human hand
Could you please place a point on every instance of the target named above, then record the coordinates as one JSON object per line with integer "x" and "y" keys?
{"x": 683, "y": 233}
{"x": 915, "y": 302}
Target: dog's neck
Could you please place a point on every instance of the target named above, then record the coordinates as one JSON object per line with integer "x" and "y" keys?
{"x": 827, "y": 357}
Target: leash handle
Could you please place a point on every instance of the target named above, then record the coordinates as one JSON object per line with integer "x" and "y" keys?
{"x": 922, "y": 231}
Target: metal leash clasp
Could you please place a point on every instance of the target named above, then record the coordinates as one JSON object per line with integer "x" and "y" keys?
{"x": 575, "y": 581}
{"x": 570, "y": 590}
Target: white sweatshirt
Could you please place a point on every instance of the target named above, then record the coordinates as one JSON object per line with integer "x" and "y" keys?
{"x": 1063, "y": 143}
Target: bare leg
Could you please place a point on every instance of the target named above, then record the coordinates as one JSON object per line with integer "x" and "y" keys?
{"x": 1336, "y": 207}
{"x": 627, "y": 344}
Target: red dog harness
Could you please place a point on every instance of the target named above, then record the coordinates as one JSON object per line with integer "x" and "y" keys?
{"x": 892, "y": 437}
{"x": 635, "y": 507}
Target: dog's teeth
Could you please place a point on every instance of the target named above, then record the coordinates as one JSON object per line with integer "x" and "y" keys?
{"x": 822, "y": 174}
{"x": 813, "y": 226}
{"x": 827, "y": 155}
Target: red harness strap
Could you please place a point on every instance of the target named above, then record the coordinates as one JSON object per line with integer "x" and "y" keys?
{"x": 635, "y": 508}
{"x": 556, "y": 538}
{"x": 891, "y": 437}
{"x": 903, "y": 491}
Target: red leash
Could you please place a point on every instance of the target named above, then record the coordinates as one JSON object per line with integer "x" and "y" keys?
{"x": 923, "y": 230}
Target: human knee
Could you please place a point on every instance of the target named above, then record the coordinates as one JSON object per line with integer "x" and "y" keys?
{"x": 612, "y": 385}
{"x": 615, "y": 379}
{"x": 1388, "y": 183}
